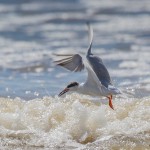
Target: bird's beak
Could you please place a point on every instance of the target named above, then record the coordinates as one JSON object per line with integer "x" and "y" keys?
{"x": 63, "y": 92}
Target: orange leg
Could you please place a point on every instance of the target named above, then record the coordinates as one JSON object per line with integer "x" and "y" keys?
{"x": 110, "y": 101}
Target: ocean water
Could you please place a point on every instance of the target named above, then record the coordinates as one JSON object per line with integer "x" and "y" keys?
{"x": 32, "y": 116}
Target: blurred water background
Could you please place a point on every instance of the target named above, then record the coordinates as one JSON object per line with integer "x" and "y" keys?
{"x": 32, "y": 30}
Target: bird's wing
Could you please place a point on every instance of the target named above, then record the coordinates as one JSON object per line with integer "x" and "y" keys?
{"x": 75, "y": 62}
{"x": 96, "y": 63}
{"x": 90, "y": 32}
{"x": 92, "y": 80}
{"x": 71, "y": 62}
{"x": 99, "y": 69}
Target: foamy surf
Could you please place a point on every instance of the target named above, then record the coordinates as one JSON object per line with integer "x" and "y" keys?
{"x": 74, "y": 122}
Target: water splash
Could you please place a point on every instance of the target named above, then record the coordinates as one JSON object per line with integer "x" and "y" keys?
{"x": 74, "y": 121}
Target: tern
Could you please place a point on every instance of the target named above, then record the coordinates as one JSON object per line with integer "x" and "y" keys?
{"x": 98, "y": 82}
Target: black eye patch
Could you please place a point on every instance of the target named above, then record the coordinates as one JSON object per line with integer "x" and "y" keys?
{"x": 72, "y": 84}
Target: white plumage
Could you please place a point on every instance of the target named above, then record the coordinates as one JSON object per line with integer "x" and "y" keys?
{"x": 98, "y": 82}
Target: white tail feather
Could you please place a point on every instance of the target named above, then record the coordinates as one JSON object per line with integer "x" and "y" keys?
{"x": 114, "y": 90}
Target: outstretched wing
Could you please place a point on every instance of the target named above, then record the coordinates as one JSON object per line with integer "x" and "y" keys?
{"x": 96, "y": 63}
{"x": 71, "y": 62}
{"x": 99, "y": 69}
{"x": 74, "y": 62}
{"x": 90, "y": 32}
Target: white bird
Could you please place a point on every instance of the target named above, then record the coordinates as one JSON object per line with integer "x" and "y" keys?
{"x": 98, "y": 82}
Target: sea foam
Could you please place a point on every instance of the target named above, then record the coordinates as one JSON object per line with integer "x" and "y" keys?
{"x": 74, "y": 121}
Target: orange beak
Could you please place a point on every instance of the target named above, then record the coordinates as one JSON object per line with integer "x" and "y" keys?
{"x": 63, "y": 92}
{"x": 110, "y": 102}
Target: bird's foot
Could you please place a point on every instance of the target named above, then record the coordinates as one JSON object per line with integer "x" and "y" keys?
{"x": 110, "y": 101}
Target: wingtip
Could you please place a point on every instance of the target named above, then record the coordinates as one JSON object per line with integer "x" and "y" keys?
{"x": 88, "y": 23}
{"x": 90, "y": 32}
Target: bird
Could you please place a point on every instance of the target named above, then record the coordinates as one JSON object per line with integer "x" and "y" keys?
{"x": 98, "y": 82}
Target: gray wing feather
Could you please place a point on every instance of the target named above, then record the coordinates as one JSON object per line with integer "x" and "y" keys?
{"x": 90, "y": 32}
{"x": 96, "y": 63}
{"x": 99, "y": 69}
{"x": 72, "y": 63}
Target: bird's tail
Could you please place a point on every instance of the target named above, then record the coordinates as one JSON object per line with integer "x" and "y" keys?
{"x": 114, "y": 90}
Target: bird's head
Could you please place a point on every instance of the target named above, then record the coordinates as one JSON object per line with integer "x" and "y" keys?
{"x": 73, "y": 86}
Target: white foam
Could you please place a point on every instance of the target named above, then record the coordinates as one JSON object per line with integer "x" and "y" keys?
{"x": 53, "y": 121}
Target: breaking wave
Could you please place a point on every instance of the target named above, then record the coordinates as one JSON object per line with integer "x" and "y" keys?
{"x": 74, "y": 121}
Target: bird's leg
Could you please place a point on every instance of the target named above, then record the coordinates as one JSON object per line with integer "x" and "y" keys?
{"x": 110, "y": 101}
